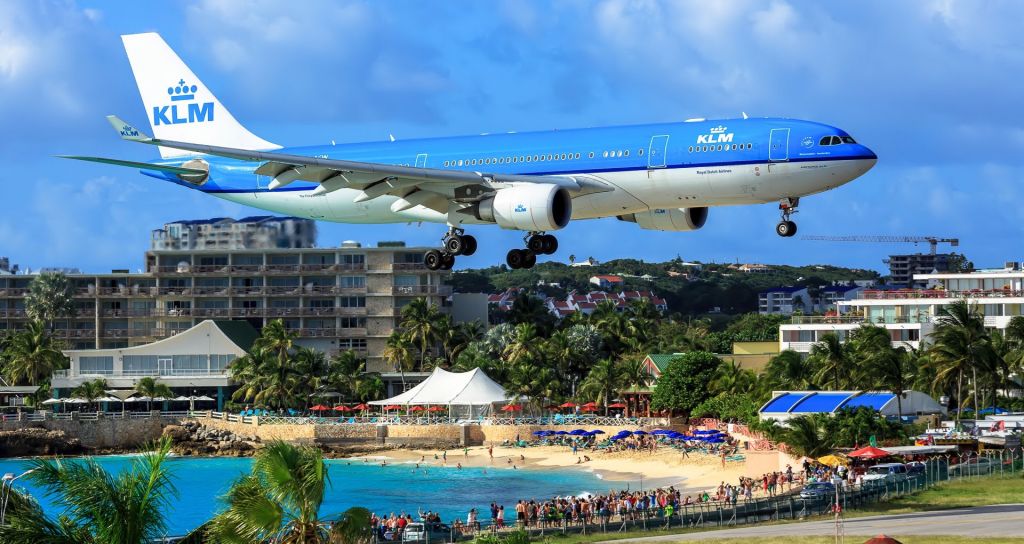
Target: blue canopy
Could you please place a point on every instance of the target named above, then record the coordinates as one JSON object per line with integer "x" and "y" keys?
{"x": 597, "y": 431}
{"x": 578, "y": 432}
{"x": 662, "y": 431}
{"x": 623, "y": 433}
{"x": 540, "y": 433}
{"x": 561, "y": 433}
{"x": 640, "y": 432}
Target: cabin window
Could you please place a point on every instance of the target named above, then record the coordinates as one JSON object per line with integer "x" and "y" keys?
{"x": 750, "y": 146}
{"x": 690, "y": 150}
{"x": 640, "y": 152}
{"x": 719, "y": 147}
{"x": 605, "y": 154}
{"x": 590, "y": 155}
{"x": 460, "y": 162}
{"x": 446, "y": 164}
{"x": 734, "y": 147}
{"x": 577, "y": 155}
{"x": 550, "y": 157}
{"x": 705, "y": 149}
{"x": 626, "y": 152}
{"x": 618, "y": 154}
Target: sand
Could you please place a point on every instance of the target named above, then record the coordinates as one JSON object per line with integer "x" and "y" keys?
{"x": 661, "y": 468}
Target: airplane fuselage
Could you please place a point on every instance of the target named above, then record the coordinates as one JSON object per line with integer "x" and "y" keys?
{"x": 645, "y": 167}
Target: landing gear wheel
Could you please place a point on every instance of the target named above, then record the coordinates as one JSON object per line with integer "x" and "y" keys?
{"x": 785, "y": 229}
{"x": 433, "y": 259}
{"x": 468, "y": 245}
{"x": 550, "y": 244}
{"x": 530, "y": 259}
{"x": 515, "y": 258}
{"x": 536, "y": 243}
{"x": 447, "y": 261}
{"x": 455, "y": 245}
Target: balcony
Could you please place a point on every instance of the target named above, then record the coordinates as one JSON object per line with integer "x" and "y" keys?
{"x": 917, "y": 294}
{"x": 855, "y": 320}
{"x": 13, "y": 291}
{"x": 134, "y": 373}
{"x": 421, "y": 290}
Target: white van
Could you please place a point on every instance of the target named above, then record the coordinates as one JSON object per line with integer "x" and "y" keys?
{"x": 886, "y": 472}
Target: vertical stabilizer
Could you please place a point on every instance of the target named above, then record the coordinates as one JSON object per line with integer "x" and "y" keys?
{"x": 177, "y": 103}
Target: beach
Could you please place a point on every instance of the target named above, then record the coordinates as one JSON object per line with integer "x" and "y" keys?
{"x": 663, "y": 467}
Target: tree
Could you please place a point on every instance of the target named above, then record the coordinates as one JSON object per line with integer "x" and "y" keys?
{"x": 602, "y": 382}
{"x": 398, "y": 352}
{"x": 789, "y": 370}
{"x": 685, "y": 382}
{"x": 832, "y": 358}
{"x": 881, "y": 365}
{"x": 527, "y": 308}
{"x": 50, "y": 297}
{"x": 32, "y": 355}
{"x": 279, "y": 501}
{"x": 95, "y": 506}
{"x": 807, "y": 436}
{"x": 525, "y": 345}
{"x": 148, "y": 387}
{"x": 959, "y": 345}
{"x": 90, "y": 391}
{"x": 421, "y": 323}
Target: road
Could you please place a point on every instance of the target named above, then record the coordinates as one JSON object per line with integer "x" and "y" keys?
{"x": 1001, "y": 520}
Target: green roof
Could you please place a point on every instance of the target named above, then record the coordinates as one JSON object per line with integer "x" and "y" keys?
{"x": 241, "y": 333}
{"x": 661, "y": 360}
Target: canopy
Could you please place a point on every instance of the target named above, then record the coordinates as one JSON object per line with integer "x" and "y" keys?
{"x": 471, "y": 388}
{"x": 318, "y": 408}
{"x": 617, "y": 405}
{"x": 869, "y": 452}
{"x": 511, "y": 408}
{"x": 567, "y": 405}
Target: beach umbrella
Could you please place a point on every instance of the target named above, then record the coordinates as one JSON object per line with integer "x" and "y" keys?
{"x": 597, "y": 431}
{"x": 181, "y": 398}
{"x": 361, "y": 406}
{"x": 342, "y": 408}
{"x": 392, "y": 407}
{"x": 540, "y": 433}
{"x": 831, "y": 460}
{"x": 436, "y": 409}
{"x": 76, "y": 401}
{"x": 511, "y": 408}
{"x": 641, "y": 433}
{"x": 578, "y": 432}
{"x": 416, "y": 409}
{"x": 617, "y": 405}
{"x": 567, "y": 405}
{"x": 318, "y": 408}
{"x": 882, "y": 539}
{"x": 869, "y": 452}
{"x": 203, "y": 398}
{"x": 662, "y": 431}
{"x": 53, "y": 401}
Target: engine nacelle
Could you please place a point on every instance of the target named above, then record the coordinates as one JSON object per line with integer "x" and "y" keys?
{"x": 677, "y": 219}
{"x": 528, "y": 206}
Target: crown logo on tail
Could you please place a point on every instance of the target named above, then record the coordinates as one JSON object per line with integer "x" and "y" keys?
{"x": 181, "y": 91}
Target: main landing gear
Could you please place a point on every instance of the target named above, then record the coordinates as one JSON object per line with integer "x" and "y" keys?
{"x": 455, "y": 242}
{"x": 787, "y": 228}
{"x": 537, "y": 243}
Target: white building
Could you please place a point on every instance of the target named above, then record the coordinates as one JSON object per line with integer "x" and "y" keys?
{"x": 784, "y": 301}
{"x": 224, "y": 233}
{"x": 909, "y": 314}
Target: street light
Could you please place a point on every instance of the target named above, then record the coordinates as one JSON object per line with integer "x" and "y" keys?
{"x": 6, "y": 487}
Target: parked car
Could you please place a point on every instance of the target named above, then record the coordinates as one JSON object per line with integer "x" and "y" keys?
{"x": 817, "y": 490}
{"x": 979, "y": 465}
{"x": 916, "y": 467}
{"x": 886, "y": 473}
{"x": 427, "y": 532}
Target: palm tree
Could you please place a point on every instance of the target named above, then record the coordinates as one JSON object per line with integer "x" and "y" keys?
{"x": 148, "y": 387}
{"x": 789, "y": 370}
{"x": 279, "y": 501}
{"x": 731, "y": 379}
{"x": 32, "y": 355}
{"x": 602, "y": 382}
{"x": 881, "y": 365}
{"x": 420, "y": 321}
{"x": 277, "y": 339}
{"x": 95, "y": 506}
{"x": 527, "y": 308}
{"x": 90, "y": 391}
{"x": 266, "y": 380}
{"x": 807, "y": 436}
{"x": 959, "y": 344}
{"x": 398, "y": 352}
{"x": 524, "y": 346}
{"x": 832, "y": 358}
{"x": 50, "y": 297}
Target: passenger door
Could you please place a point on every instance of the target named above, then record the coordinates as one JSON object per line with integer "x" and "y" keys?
{"x": 657, "y": 151}
{"x": 778, "y": 145}
{"x": 421, "y": 160}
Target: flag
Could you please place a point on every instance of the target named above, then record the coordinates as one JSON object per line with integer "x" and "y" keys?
{"x": 873, "y": 442}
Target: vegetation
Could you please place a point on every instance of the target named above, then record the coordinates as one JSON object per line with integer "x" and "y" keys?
{"x": 31, "y": 355}
{"x": 965, "y": 493}
{"x": 90, "y": 391}
{"x": 280, "y": 502}
{"x": 50, "y": 297}
{"x": 684, "y": 384}
{"x": 98, "y": 507}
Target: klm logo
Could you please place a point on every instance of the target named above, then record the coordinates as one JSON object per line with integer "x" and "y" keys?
{"x": 717, "y": 136}
{"x": 180, "y": 112}
{"x": 129, "y": 131}
{"x": 520, "y": 208}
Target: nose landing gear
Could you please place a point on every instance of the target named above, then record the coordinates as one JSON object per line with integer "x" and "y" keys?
{"x": 787, "y": 228}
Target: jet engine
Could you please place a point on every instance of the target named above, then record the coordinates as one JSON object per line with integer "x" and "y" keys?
{"x": 677, "y": 219}
{"x": 527, "y": 206}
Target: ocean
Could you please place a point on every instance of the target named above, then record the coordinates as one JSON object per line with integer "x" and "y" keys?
{"x": 395, "y": 488}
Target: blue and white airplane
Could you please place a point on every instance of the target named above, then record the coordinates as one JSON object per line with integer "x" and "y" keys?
{"x": 660, "y": 176}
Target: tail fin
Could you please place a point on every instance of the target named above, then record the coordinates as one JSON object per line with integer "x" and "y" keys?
{"x": 179, "y": 106}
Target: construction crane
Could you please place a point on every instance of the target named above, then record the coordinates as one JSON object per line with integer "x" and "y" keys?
{"x": 932, "y": 241}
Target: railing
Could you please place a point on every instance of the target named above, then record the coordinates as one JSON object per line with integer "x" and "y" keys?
{"x": 902, "y": 294}
{"x": 441, "y": 290}
{"x": 335, "y": 418}
{"x": 188, "y": 269}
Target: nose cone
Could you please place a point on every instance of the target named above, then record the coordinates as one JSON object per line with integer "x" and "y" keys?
{"x": 867, "y": 160}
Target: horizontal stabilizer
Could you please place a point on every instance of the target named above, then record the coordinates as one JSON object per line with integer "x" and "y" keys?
{"x": 139, "y": 165}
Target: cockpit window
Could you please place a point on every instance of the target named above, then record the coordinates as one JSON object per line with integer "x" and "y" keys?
{"x": 825, "y": 140}
{"x": 848, "y": 140}
{"x": 836, "y": 140}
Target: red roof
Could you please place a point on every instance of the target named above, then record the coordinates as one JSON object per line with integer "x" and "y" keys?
{"x": 658, "y": 301}
{"x": 578, "y": 298}
{"x": 609, "y": 278}
{"x": 598, "y": 295}
{"x": 586, "y": 305}
{"x": 493, "y": 298}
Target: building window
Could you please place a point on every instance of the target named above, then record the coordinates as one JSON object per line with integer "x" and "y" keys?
{"x": 353, "y": 302}
{"x": 353, "y": 322}
{"x": 103, "y": 365}
{"x": 353, "y": 282}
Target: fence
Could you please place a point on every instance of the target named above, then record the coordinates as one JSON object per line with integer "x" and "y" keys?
{"x": 575, "y": 421}
{"x": 743, "y": 512}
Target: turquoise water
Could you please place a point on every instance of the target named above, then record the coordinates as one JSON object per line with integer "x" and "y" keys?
{"x": 394, "y": 488}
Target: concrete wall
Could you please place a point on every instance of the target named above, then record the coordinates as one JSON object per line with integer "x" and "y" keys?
{"x": 101, "y": 433}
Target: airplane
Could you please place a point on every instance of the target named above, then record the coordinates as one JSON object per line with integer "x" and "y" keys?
{"x": 659, "y": 176}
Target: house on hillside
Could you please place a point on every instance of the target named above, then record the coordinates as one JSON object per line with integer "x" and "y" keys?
{"x": 606, "y": 281}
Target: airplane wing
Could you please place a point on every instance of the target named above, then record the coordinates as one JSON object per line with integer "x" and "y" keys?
{"x": 140, "y": 165}
{"x": 414, "y": 186}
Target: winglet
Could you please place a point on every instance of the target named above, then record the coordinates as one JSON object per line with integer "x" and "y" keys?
{"x": 127, "y": 131}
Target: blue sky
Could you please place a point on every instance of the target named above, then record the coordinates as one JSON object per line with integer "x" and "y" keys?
{"x": 933, "y": 87}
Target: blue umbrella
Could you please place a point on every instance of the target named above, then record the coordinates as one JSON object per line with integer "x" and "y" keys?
{"x": 578, "y": 432}
{"x": 662, "y": 431}
{"x": 561, "y": 433}
{"x": 597, "y": 431}
{"x": 540, "y": 433}
{"x": 624, "y": 433}
{"x": 640, "y": 432}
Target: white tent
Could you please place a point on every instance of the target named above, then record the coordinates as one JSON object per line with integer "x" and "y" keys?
{"x": 473, "y": 390}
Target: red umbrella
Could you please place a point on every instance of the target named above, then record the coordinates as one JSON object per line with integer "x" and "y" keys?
{"x": 617, "y": 405}
{"x": 362, "y": 406}
{"x": 589, "y": 408}
{"x": 319, "y": 408}
{"x": 392, "y": 407}
{"x": 882, "y": 539}
{"x": 342, "y": 408}
{"x": 416, "y": 409}
{"x": 869, "y": 452}
{"x": 436, "y": 409}
{"x": 511, "y": 408}
{"x": 567, "y": 405}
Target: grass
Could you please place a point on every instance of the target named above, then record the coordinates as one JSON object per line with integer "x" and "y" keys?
{"x": 958, "y": 494}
